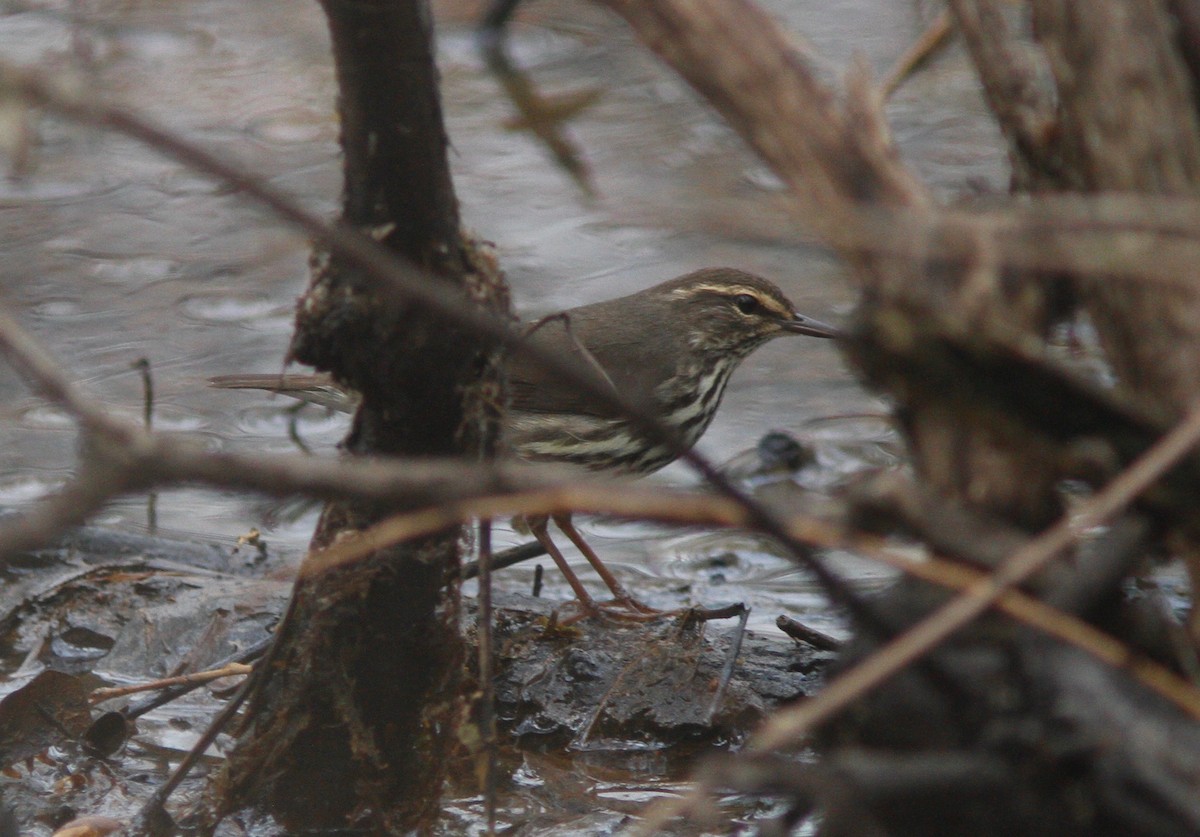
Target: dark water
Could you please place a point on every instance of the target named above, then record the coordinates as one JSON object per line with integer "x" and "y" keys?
{"x": 113, "y": 253}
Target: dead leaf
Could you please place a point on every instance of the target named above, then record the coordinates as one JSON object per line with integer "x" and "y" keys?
{"x": 47, "y": 710}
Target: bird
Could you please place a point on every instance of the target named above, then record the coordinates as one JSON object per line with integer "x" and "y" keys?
{"x": 670, "y": 349}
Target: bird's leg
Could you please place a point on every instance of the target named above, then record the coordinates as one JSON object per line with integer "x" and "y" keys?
{"x": 635, "y": 610}
{"x": 632, "y": 609}
{"x": 622, "y": 596}
{"x": 539, "y": 528}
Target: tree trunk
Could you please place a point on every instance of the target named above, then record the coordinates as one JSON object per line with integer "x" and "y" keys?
{"x": 351, "y": 720}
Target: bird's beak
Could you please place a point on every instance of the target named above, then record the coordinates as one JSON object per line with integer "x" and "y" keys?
{"x": 799, "y": 324}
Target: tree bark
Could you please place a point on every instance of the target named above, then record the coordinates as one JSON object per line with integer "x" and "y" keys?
{"x": 352, "y": 718}
{"x": 1127, "y": 122}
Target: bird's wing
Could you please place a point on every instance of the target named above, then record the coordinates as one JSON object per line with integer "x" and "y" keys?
{"x": 618, "y": 355}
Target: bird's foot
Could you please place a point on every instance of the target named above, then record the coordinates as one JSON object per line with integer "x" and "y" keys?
{"x": 628, "y": 609}
{"x": 616, "y": 610}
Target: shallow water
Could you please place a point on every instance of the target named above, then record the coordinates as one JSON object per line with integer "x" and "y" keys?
{"x": 113, "y": 253}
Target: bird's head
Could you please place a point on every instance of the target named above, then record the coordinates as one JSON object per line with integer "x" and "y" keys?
{"x": 727, "y": 310}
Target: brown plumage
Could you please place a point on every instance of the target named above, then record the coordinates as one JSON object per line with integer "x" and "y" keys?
{"x": 671, "y": 348}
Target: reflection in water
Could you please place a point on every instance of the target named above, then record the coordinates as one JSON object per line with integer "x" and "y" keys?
{"x": 222, "y": 308}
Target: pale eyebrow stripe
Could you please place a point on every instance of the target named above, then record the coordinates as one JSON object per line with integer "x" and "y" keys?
{"x": 766, "y": 301}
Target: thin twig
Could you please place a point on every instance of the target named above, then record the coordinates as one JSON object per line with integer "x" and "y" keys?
{"x": 510, "y": 557}
{"x": 41, "y": 371}
{"x": 486, "y": 714}
{"x": 631, "y": 501}
{"x": 735, "y": 650}
{"x": 162, "y": 793}
{"x": 142, "y": 367}
{"x": 245, "y": 656}
{"x": 198, "y": 678}
{"x": 932, "y": 40}
{"x": 806, "y": 634}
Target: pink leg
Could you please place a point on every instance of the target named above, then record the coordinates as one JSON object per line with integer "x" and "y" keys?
{"x": 618, "y": 590}
{"x": 539, "y": 527}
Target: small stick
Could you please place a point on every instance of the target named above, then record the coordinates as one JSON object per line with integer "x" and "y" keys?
{"x": 136, "y": 710}
{"x": 507, "y": 558}
{"x": 487, "y": 691}
{"x": 142, "y": 367}
{"x": 803, "y": 633}
{"x": 735, "y": 649}
{"x": 294, "y": 427}
{"x": 933, "y": 39}
{"x": 196, "y": 678}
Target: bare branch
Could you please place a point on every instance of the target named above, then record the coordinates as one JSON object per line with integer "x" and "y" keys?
{"x": 764, "y": 90}
{"x": 1010, "y": 81}
{"x": 70, "y": 506}
{"x": 45, "y": 375}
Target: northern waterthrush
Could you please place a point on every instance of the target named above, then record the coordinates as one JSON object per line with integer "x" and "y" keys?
{"x": 671, "y": 348}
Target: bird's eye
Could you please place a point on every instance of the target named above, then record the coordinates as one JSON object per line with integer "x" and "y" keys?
{"x": 745, "y": 303}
